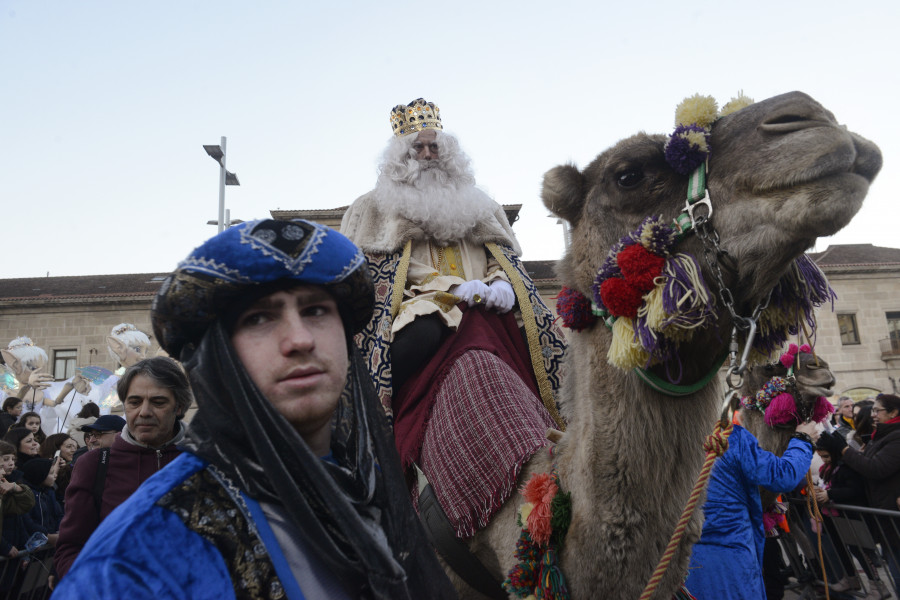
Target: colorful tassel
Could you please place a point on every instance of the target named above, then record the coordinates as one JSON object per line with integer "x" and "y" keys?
{"x": 782, "y": 410}
{"x": 625, "y": 351}
{"x": 544, "y": 525}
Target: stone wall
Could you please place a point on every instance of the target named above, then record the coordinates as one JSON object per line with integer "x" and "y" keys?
{"x": 81, "y": 327}
{"x": 869, "y": 295}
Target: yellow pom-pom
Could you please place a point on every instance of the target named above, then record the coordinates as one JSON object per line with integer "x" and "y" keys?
{"x": 696, "y": 138}
{"x": 652, "y": 308}
{"x": 524, "y": 511}
{"x": 625, "y": 352}
{"x": 698, "y": 109}
{"x": 736, "y": 104}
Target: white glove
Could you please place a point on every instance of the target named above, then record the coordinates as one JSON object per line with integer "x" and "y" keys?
{"x": 472, "y": 292}
{"x": 502, "y": 298}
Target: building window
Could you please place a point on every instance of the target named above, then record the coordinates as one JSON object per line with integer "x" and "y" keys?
{"x": 893, "y": 319}
{"x": 849, "y": 330}
{"x": 64, "y": 364}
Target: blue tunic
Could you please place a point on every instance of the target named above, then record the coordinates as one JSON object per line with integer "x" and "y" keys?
{"x": 727, "y": 561}
{"x": 144, "y": 551}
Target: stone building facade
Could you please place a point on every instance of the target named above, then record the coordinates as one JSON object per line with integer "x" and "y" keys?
{"x": 861, "y": 338}
{"x": 70, "y": 317}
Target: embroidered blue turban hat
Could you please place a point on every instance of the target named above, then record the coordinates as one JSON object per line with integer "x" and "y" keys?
{"x": 244, "y": 259}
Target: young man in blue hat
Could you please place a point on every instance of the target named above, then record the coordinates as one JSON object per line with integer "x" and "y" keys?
{"x": 290, "y": 486}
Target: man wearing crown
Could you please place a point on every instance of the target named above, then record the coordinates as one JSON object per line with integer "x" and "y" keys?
{"x": 463, "y": 351}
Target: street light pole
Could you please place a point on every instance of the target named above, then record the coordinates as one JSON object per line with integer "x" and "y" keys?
{"x": 222, "y": 187}
{"x": 225, "y": 178}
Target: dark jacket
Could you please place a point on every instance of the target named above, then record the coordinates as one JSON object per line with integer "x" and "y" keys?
{"x": 130, "y": 465}
{"x": 46, "y": 513}
{"x": 847, "y": 486}
{"x": 879, "y": 464}
{"x": 15, "y": 504}
{"x": 6, "y": 421}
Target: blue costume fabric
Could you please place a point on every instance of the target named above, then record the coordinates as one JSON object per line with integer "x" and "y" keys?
{"x": 727, "y": 561}
{"x": 157, "y": 545}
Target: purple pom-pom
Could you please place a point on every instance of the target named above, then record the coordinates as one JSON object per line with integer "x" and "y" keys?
{"x": 683, "y": 155}
{"x": 574, "y": 309}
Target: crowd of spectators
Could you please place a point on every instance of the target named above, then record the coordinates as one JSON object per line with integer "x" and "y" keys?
{"x": 860, "y": 467}
{"x": 35, "y": 472}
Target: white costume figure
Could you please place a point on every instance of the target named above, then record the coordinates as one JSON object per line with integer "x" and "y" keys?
{"x": 127, "y": 346}
{"x": 29, "y": 362}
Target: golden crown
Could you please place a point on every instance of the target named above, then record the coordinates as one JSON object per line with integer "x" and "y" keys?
{"x": 418, "y": 115}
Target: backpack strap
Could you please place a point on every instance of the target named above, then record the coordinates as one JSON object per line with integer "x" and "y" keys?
{"x": 100, "y": 480}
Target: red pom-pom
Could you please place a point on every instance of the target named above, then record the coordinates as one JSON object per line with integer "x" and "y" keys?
{"x": 620, "y": 298}
{"x": 640, "y": 267}
{"x": 781, "y": 410}
{"x": 574, "y": 309}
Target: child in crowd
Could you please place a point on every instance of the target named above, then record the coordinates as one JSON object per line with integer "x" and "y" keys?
{"x": 40, "y": 475}
{"x": 32, "y": 421}
{"x": 15, "y": 501}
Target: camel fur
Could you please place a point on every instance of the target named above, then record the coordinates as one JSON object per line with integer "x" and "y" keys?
{"x": 782, "y": 172}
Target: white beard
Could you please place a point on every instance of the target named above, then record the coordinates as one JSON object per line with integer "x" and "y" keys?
{"x": 445, "y": 208}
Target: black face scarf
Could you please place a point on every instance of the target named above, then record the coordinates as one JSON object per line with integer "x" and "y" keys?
{"x": 355, "y": 515}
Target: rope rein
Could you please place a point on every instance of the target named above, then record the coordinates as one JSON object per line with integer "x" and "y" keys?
{"x": 812, "y": 505}
{"x": 716, "y": 444}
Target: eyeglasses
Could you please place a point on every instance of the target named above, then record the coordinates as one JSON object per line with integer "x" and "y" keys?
{"x": 878, "y": 410}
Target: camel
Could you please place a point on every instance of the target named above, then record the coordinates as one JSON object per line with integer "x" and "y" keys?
{"x": 814, "y": 379}
{"x": 781, "y": 173}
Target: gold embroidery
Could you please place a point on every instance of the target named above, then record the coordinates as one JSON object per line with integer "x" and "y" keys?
{"x": 531, "y": 332}
{"x": 205, "y": 507}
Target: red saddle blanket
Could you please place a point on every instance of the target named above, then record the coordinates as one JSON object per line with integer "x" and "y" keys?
{"x": 472, "y": 418}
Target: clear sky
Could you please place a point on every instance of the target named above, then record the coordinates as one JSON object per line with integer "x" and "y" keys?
{"x": 106, "y": 104}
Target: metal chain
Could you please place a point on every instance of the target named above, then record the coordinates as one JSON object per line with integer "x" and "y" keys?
{"x": 713, "y": 255}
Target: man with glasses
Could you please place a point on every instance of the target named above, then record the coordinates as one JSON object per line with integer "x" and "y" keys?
{"x": 102, "y": 432}
{"x": 99, "y": 434}
{"x": 156, "y": 394}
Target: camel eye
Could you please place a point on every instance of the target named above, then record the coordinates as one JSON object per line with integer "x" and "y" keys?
{"x": 629, "y": 178}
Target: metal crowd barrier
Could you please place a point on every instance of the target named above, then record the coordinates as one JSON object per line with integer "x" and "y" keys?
{"x": 855, "y": 542}
{"x": 25, "y": 577}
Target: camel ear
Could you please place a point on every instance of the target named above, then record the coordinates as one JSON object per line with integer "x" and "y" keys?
{"x": 563, "y": 192}
{"x": 14, "y": 364}
{"x": 119, "y": 348}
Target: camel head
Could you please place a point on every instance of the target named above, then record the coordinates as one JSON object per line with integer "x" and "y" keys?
{"x": 812, "y": 382}
{"x": 780, "y": 173}
{"x": 808, "y": 380}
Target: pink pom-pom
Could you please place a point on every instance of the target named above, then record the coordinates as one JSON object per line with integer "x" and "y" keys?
{"x": 805, "y": 348}
{"x": 782, "y": 410}
{"x": 787, "y": 359}
{"x": 822, "y": 409}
